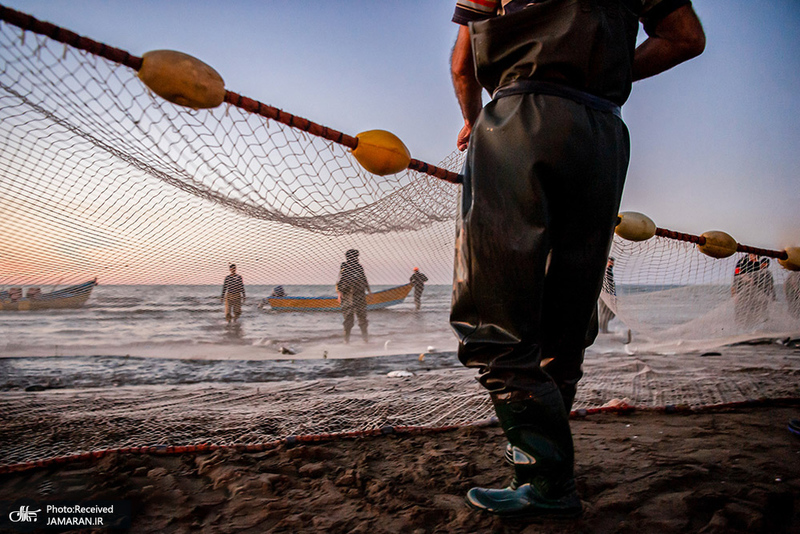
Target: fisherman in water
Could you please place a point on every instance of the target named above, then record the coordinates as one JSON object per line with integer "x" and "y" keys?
{"x": 351, "y": 288}
{"x": 233, "y": 295}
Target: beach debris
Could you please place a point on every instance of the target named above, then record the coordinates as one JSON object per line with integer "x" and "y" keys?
{"x": 422, "y": 357}
{"x": 617, "y": 403}
{"x": 399, "y": 374}
{"x": 35, "y": 387}
{"x": 431, "y": 348}
{"x": 324, "y": 354}
{"x": 386, "y": 345}
{"x": 286, "y": 350}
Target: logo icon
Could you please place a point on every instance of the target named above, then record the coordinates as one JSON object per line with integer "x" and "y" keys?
{"x": 24, "y": 515}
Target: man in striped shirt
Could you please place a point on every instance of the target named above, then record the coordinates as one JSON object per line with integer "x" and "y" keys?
{"x": 542, "y": 182}
{"x": 233, "y": 295}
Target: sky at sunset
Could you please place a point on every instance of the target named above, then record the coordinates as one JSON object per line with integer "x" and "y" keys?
{"x": 714, "y": 142}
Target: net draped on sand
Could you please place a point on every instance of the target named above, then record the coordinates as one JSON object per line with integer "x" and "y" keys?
{"x": 63, "y": 423}
{"x": 101, "y": 178}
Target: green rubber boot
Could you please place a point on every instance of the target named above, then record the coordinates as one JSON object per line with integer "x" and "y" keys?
{"x": 542, "y": 453}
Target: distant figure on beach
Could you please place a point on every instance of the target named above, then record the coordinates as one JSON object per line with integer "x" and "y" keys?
{"x": 278, "y": 291}
{"x": 766, "y": 290}
{"x": 753, "y": 289}
{"x": 542, "y": 183}
{"x": 233, "y": 295}
{"x": 351, "y": 288}
{"x": 791, "y": 289}
{"x": 418, "y": 279}
{"x": 604, "y": 314}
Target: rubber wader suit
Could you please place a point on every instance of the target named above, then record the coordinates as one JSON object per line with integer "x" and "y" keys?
{"x": 543, "y": 180}
{"x": 351, "y": 285}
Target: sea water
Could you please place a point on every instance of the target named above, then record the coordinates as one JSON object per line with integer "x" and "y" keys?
{"x": 132, "y": 335}
{"x": 128, "y": 335}
{"x": 189, "y": 322}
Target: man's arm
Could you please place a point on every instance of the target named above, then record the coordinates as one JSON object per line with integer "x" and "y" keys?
{"x": 678, "y": 37}
{"x": 468, "y": 90}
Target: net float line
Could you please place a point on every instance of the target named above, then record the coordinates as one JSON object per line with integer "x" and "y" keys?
{"x": 270, "y": 112}
{"x": 635, "y": 226}
{"x": 293, "y": 441}
{"x": 30, "y": 23}
{"x": 701, "y": 240}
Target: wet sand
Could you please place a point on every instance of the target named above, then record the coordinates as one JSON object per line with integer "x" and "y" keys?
{"x": 718, "y": 471}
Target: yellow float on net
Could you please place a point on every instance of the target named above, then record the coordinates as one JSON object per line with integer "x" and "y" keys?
{"x": 635, "y": 226}
{"x": 182, "y": 79}
{"x": 793, "y": 261}
{"x": 718, "y": 244}
{"x": 381, "y": 152}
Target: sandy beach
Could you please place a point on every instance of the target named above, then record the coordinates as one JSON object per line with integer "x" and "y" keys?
{"x": 719, "y": 471}
{"x": 706, "y": 449}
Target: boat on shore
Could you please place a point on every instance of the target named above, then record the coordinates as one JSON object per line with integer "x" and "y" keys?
{"x": 69, "y": 297}
{"x": 375, "y": 301}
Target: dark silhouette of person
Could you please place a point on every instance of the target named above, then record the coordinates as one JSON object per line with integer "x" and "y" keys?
{"x": 791, "y": 289}
{"x": 351, "y": 288}
{"x": 418, "y": 280}
{"x": 753, "y": 289}
{"x": 233, "y": 295}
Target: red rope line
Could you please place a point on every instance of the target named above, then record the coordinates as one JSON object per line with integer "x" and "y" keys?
{"x": 700, "y": 240}
{"x": 291, "y": 441}
{"x": 28, "y": 23}
{"x": 434, "y": 171}
{"x": 270, "y": 112}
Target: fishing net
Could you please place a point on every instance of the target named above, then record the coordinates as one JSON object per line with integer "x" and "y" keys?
{"x": 676, "y": 299}
{"x": 101, "y": 179}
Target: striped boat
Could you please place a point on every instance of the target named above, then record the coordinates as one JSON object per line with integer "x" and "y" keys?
{"x": 375, "y": 301}
{"x": 69, "y": 297}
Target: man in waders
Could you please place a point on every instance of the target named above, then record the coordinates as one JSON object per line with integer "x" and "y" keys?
{"x": 233, "y": 295}
{"x": 542, "y": 184}
{"x": 350, "y": 288}
{"x": 418, "y": 281}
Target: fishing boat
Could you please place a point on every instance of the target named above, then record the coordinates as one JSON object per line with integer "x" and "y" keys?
{"x": 69, "y": 297}
{"x": 375, "y": 301}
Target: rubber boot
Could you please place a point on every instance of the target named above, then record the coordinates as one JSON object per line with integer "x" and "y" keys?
{"x": 542, "y": 452}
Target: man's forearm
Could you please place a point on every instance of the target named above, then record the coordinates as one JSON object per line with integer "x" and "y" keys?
{"x": 462, "y": 69}
{"x": 677, "y": 38}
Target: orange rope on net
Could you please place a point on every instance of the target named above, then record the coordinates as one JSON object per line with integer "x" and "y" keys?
{"x": 29, "y": 23}
{"x": 700, "y": 240}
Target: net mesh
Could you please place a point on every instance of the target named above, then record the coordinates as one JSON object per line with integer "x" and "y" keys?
{"x": 99, "y": 178}
{"x": 676, "y": 299}
{"x": 67, "y": 422}
{"x": 127, "y": 183}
